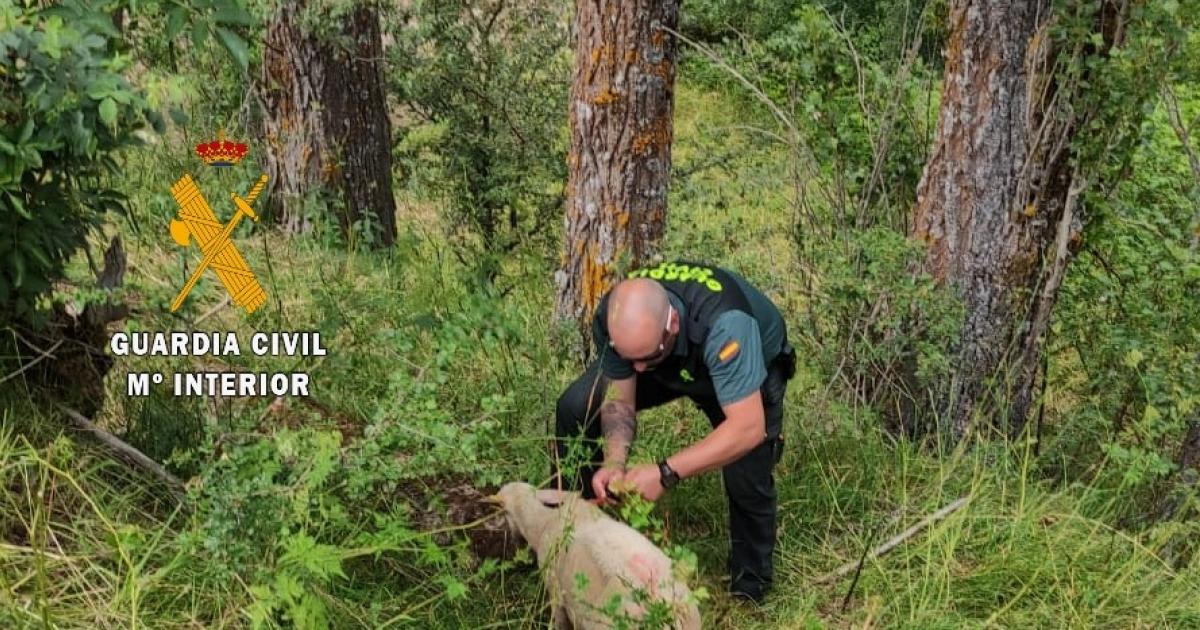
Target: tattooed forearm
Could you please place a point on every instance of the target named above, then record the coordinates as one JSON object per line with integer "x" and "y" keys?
{"x": 619, "y": 427}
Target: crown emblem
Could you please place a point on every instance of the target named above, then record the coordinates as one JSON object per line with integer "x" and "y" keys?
{"x": 221, "y": 152}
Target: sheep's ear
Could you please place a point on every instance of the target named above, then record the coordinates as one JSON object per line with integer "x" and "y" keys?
{"x": 553, "y": 498}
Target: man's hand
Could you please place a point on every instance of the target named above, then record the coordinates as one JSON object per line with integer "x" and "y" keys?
{"x": 603, "y": 478}
{"x": 645, "y": 480}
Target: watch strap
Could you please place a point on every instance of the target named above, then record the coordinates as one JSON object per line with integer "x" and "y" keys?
{"x": 667, "y": 476}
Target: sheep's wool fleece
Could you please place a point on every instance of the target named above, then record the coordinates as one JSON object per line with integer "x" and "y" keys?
{"x": 588, "y": 558}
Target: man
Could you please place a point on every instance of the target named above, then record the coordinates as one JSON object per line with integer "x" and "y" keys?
{"x": 683, "y": 329}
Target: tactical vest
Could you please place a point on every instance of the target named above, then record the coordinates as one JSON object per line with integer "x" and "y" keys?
{"x": 706, "y": 293}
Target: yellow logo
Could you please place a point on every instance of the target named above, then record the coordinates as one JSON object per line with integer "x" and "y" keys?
{"x": 197, "y": 221}
{"x": 728, "y": 352}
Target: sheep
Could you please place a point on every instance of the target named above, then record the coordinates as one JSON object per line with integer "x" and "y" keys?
{"x": 588, "y": 558}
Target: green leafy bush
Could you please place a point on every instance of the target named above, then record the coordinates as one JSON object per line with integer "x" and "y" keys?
{"x": 485, "y": 87}
{"x": 66, "y": 108}
{"x": 884, "y": 333}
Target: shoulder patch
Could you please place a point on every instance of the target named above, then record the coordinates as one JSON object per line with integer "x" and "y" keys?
{"x": 728, "y": 351}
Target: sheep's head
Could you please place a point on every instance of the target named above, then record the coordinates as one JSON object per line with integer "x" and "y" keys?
{"x": 512, "y": 496}
{"x": 525, "y": 507}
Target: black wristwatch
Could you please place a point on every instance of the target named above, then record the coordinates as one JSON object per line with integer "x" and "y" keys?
{"x": 667, "y": 477}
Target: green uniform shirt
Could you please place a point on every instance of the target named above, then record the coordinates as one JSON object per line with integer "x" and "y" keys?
{"x": 749, "y": 342}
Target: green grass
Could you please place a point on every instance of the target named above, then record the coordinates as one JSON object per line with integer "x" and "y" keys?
{"x": 414, "y": 351}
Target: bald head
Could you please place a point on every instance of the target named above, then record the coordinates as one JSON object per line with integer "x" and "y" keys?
{"x": 637, "y": 311}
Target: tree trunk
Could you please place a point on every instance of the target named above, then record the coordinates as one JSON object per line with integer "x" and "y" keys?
{"x": 290, "y": 87}
{"x": 325, "y": 119}
{"x": 998, "y": 204}
{"x": 620, "y": 157}
{"x": 355, "y": 116}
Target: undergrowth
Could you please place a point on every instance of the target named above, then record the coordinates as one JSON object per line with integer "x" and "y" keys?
{"x": 330, "y": 514}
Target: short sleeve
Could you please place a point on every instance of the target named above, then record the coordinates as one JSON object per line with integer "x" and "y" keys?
{"x": 733, "y": 354}
{"x": 611, "y": 363}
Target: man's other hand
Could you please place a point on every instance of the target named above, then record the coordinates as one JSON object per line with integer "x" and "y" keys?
{"x": 645, "y": 480}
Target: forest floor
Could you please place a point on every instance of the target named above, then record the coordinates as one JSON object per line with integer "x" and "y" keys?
{"x": 428, "y": 384}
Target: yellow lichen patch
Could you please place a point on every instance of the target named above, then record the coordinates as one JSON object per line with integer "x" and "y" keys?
{"x": 606, "y": 97}
{"x": 604, "y": 54}
{"x": 657, "y": 135}
{"x": 648, "y": 141}
{"x": 595, "y": 280}
{"x": 661, "y": 69}
{"x": 641, "y": 141}
{"x": 1030, "y": 210}
{"x": 1021, "y": 268}
{"x": 620, "y": 217}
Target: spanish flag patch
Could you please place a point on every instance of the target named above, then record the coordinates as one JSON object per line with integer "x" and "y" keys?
{"x": 729, "y": 351}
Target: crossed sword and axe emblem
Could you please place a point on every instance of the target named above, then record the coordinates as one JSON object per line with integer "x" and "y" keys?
{"x": 197, "y": 220}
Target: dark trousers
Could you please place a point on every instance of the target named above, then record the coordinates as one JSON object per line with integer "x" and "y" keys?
{"x": 749, "y": 484}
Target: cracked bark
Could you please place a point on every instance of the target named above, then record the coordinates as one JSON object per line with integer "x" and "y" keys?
{"x": 620, "y": 158}
{"x": 325, "y": 119}
{"x": 998, "y": 203}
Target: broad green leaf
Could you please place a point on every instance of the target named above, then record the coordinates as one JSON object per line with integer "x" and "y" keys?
{"x": 35, "y": 251}
{"x": 231, "y": 12}
{"x": 235, "y": 45}
{"x": 26, "y": 132}
{"x": 108, "y": 111}
{"x": 18, "y": 267}
{"x": 199, "y": 33}
{"x": 175, "y": 19}
{"x": 179, "y": 116}
{"x": 157, "y": 121}
{"x": 19, "y": 206}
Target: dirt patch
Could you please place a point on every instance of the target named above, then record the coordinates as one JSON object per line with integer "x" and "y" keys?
{"x": 453, "y": 506}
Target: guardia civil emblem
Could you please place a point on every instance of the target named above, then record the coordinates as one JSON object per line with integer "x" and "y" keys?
{"x": 197, "y": 221}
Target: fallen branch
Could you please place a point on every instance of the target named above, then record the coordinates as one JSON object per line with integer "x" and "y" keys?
{"x": 893, "y": 542}
{"x": 130, "y": 453}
